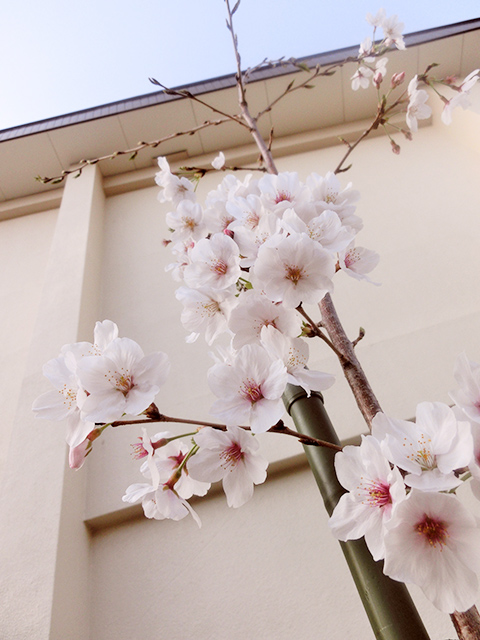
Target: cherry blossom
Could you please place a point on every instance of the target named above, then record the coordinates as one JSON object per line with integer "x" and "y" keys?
{"x": 174, "y": 189}
{"x": 358, "y": 261}
{"x": 429, "y": 450}
{"x": 293, "y": 269}
{"x": 467, "y": 396}
{"x": 214, "y": 263}
{"x": 416, "y": 109}
{"x": 205, "y": 310}
{"x": 122, "y": 380}
{"x": 231, "y": 456}
{"x": 374, "y": 490}
{"x": 461, "y": 98}
{"x": 219, "y": 161}
{"x": 294, "y": 354}
{"x": 186, "y": 222}
{"x": 255, "y": 311}
{"x": 434, "y": 542}
{"x": 250, "y": 389}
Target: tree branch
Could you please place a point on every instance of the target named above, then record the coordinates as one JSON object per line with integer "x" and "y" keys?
{"x": 132, "y": 152}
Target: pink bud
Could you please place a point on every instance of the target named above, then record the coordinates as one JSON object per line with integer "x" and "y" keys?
{"x": 228, "y": 232}
{"x": 397, "y": 79}
{"x": 77, "y": 455}
{"x": 377, "y": 79}
{"x": 395, "y": 147}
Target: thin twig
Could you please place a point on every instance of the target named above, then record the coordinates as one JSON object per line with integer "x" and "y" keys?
{"x": 276, "y": 428}
{"x": 183, "y": 93}
{"x": 133, "y": 151}
{"x": 318, "y": 332}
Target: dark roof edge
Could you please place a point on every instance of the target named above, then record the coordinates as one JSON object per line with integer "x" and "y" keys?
{"x": 221, "y": 82}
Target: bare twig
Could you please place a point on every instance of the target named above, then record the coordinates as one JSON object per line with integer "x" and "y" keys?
{"x": 132, "y": 152}
{"x": 361, "y": 335}
{"x": 317, "y": 331}
{"x": 276, "y": 428}
{"x": 183, "y": 93}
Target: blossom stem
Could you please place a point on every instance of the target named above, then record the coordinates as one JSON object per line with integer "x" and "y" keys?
{"x": 276, "y": 428}
{"x": 317, "y": 331}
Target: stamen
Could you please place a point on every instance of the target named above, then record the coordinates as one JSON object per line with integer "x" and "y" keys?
{"x": 434, "y": 531}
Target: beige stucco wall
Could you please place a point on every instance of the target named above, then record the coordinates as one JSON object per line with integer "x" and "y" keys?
{"x": 24, "y": 249}
{"x": 271, "y": 569}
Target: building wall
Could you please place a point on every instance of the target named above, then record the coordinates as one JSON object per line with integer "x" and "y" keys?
{"x": 270, "y": 569}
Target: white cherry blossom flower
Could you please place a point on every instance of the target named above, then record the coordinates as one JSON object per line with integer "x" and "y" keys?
{"x": 374, "y": 490}
{"x": 250, "y": 389}
{"x": 282, "y": 191}
{"x": 461, "y": 98}
{"x": 230, "y": 456}
{"x": 122, "y": 380}
{"x": 429, "y": 450}
{"x": 160, "y": 504}
{"x": 434, "y": 542}
{"x": 219, "y": 161}
{"x": 63, "y": 402}
{"x": 174, "y": 189}
{"x": 186, "y": 222}
{"x": 205, "y": 310}
{"x": 358, "y": 261}
{"x": 214, "y": 263}
{"x": 361, "y": 78}
{"x": 327, "y": 193}
{"x": 378, "y": 19}
{"x": 292, "y": 270}
{"x": 416, "y": 109}
{"x": 467, "y": 396}
{"x": 294, "y": 354}
{"x": 255, "y": 311}
{"x": 392, "y": 29}
{"x": 326, "y": 228}
{"x": 249, "y": 240}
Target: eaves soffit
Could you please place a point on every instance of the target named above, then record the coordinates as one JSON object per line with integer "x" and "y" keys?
{"x": 50, "y": 146}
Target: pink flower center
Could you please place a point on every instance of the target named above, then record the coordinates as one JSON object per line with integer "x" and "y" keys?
{"x": 377, "y": 494}
{"x": 293, "y": 273}
{"x": 220, "y": 267}
{"x": 433, "y": 531}
{"x": 282, "y": 196}
{"x": 231, "y": 456}
{"x": 423, "y": 456}
{"x": 189, "y": 223}
{"x": 251, "y": 391}
{"x": 139, "y": 450}
{"x": 351, "y": 257}
{"x": 124, "y": 382}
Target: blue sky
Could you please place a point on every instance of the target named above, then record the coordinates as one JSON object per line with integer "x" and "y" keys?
{"x": 57, "y": 57}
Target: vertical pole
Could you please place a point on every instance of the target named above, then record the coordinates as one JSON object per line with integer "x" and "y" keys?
{"x": 388, "y": 605}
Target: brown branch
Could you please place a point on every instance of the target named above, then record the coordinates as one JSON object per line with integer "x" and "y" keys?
{"x": 356, "y": 378}
{"x": 467, "y": 623}
{"x": 133, "y": 151}
{"x": 317, "y": 331}
{"x": 247, "y": 117}
{"x": 183, "y": 93}
{"x": 277, "y": 428}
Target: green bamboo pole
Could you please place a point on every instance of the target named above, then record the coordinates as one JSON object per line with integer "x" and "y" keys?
{"x": 388, "y": 604}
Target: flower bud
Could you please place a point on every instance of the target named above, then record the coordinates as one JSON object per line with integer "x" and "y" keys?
{"x": 397, "y": 79}
{"x": 377, "y": 79}
{"x": 395, "y": 147}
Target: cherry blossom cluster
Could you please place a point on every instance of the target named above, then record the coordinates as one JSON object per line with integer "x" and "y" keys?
{"x": 248, "y": 259}
{"x": 97, "y": 384}
{"x": 401, "y": 484}
{"x": 373, "y": 68}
